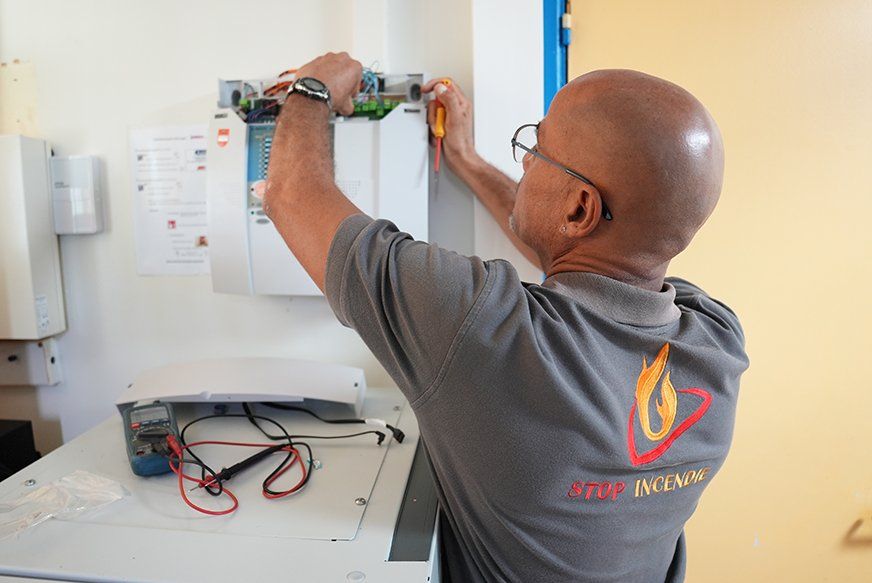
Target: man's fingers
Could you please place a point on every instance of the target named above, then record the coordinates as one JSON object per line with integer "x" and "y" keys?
{"x": 451, "y": 86}
{"x": 429, "y": 85}
{"x": 346, "y": 108}
{"x": 449, "y": 97}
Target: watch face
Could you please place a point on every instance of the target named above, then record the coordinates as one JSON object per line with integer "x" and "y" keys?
{"x": 313, "y": 84}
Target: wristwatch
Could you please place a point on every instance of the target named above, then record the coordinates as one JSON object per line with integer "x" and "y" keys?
{"x": 311, "y": 88}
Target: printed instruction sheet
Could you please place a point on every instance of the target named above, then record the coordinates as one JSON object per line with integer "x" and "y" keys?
{"x": 168, "y": 169}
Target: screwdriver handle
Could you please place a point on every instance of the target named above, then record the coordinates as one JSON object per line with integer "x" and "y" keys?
{"x": 439, "y": 126}
{"x": 439, "y": 131}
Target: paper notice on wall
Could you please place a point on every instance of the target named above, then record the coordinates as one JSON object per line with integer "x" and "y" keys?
{"x": 18, "y": 99}
{"x": 168, "y": 170}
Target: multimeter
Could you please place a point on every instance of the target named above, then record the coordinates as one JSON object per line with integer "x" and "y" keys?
{"x": 146, "y": 428}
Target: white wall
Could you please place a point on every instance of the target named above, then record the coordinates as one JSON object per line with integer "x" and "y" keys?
{"x": 106, "y": 66}
{"x": 508, "y": 63}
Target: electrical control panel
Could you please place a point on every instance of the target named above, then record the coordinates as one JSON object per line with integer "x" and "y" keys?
{"x": 381, "y": 163}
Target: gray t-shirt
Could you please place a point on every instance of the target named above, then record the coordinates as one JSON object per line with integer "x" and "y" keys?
{"x": 572, "y": 426}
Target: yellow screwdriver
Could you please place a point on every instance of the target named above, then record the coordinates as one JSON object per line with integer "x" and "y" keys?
{"x": 439, "y": 133}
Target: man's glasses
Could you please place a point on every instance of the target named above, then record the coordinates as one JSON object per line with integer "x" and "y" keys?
{"x": 528, "y": 134}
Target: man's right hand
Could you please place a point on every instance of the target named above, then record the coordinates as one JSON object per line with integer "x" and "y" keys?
{"x": 340, "y": 73}
{"x": 457, "y": 145}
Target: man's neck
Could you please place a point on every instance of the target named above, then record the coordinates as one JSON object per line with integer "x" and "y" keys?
{"x": 651, "y": 279}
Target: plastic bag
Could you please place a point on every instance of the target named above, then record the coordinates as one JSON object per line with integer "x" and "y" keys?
{"x": 65, "y": 498}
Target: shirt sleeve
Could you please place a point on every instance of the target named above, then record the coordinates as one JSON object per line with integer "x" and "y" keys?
{"x": 408, "y": 300}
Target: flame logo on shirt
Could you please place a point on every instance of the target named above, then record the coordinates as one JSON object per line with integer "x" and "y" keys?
{"x": 666, "y": 407}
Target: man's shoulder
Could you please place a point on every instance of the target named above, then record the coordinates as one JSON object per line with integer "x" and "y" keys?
{"x": 689, "y": 297}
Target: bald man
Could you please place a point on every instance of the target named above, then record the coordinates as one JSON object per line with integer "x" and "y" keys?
{"x": 571, "y": 426}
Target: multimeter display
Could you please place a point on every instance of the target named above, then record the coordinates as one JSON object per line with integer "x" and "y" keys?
{"x": 145, "y": 431}
{"x": 148, "y": 415}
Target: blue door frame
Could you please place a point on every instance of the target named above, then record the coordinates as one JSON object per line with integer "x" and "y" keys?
{"x": 557, "y": 39}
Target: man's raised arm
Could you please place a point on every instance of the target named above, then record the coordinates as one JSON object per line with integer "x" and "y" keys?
{"x": 301, "y": 197}
{"x": 495, "y": 190}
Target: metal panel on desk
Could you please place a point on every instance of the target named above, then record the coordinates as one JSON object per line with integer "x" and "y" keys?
{"x": 152, "y": 536}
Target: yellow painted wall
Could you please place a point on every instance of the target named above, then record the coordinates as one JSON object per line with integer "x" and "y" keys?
{"x": 790, "y": 249}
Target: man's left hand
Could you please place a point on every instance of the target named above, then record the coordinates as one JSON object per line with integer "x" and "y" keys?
{"x": 341, "y": 74}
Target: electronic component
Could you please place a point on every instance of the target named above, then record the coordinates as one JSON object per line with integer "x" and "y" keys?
{"x": 76, "y": 195}
{"x": 260, "y": 100}
{"x": 260, "y": 138}
{"x": 380, "y": 155}
{"x": 146, "y": 429}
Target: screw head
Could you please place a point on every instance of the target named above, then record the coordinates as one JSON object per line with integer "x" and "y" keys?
{"x": 360, "y": 501}
{"x": 316, "y": 464}
{"x": 30, "y": 482}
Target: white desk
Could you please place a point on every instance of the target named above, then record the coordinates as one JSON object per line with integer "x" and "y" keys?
{"x": 152, "y": 536}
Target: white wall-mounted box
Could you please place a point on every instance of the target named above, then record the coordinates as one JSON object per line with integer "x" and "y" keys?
{"x": 31, "y": 296}
{"x": 382, "y": 165}
{"x": 77, "y": 199}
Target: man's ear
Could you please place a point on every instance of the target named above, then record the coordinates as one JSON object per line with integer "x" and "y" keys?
{"x": 582, "y": 212}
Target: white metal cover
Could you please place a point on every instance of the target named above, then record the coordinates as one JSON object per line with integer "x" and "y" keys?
{"x": 31, "y": 296}
{"x": 249, "y": 379}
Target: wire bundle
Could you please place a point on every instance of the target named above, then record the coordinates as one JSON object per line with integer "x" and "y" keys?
{"x": 177, "y": 461}
{"x": 213, "y": 482}
{"x": 260, "y": 112}
{"x": 276, "y": 92}
{"x": 280, "y": 86}
{"x": 368, "y": 85}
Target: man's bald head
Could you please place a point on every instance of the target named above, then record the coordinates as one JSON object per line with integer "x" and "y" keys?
{"x": 655, "y": 155}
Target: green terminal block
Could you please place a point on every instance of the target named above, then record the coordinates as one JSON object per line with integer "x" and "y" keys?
{"x": 373, "y": 109}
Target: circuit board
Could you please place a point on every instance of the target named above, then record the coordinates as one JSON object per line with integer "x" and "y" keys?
{"x": 259, "y": 101}
{"x": 260, "y": 137}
